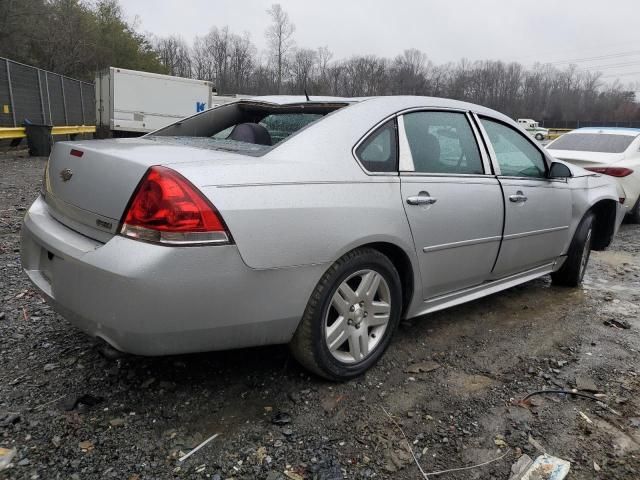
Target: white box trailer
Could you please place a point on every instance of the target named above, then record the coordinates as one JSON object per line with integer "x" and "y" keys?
{"x": 130, "y": 102}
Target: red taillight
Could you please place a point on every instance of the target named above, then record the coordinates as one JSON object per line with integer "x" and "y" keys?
{"x": 76, "y": 153}
{"x": 613, "y": 171}
{"x": 167, "y": 208}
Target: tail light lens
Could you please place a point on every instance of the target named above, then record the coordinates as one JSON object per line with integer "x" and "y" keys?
{"x": 166, "y": 208}
{"x": 613, "y": 171}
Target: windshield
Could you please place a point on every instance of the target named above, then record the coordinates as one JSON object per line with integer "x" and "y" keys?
{"x": 593, "y": 142}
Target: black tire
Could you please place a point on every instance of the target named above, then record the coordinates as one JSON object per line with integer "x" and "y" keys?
{"x": 539, "y": 137}
{"x": 572, "y": 271}
{"x": 308, "y": 345}
{"x": 634, "y": 215}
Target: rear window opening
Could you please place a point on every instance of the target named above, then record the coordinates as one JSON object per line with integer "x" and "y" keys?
{"x": 593, "y": 142}
{"x": 247, "y": 127}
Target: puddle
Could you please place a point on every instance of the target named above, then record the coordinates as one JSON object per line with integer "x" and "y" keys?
{"x": 616, "y": 258}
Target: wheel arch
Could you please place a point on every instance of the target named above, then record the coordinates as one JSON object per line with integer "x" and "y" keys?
{"x": 402, "y": 262}
{"x": 605, "y": 223}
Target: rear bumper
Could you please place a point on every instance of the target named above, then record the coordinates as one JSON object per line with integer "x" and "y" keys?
{"x": 156, "y": 300}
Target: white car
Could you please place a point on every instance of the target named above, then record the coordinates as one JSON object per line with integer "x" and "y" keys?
{"x": 609, "y": 151}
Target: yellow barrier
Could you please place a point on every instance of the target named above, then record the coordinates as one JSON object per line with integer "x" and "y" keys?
{"x": 12, "y": 132}
{"x": 73, "y": 130}
{"x": 19, "y": 132}
{"x": 556, "y": 132}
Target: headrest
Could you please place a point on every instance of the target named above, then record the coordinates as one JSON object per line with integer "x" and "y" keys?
{"x": 250, "y": 133}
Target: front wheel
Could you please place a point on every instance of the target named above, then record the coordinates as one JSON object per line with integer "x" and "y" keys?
{"x": 539, "y": 137}
{"x": 572, "y": 271}
{"x": 350, "y": 317}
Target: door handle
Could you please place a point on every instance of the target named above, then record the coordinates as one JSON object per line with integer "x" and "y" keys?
{"x": 423, "y": 198}
{"x": 519, "y": 197}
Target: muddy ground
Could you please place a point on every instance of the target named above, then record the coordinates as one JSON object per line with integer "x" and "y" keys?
{"x": 138, "y": 415}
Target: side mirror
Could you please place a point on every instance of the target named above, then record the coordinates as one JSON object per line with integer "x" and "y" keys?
{"x": 559, "y": 170}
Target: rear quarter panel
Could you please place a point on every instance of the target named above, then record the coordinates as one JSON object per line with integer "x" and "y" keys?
{"x": 293, "y": 224}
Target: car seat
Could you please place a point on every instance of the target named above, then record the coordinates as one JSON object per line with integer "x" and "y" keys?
{"x": 250, "y": 133}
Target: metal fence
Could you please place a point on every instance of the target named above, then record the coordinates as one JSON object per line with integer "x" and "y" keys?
{"x": 31, "y": 94}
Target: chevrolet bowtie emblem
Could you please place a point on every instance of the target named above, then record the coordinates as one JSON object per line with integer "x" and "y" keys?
{"x": 66, "y": 174}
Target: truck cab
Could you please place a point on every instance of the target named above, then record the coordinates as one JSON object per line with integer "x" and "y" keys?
{"x": 534, "y": 128}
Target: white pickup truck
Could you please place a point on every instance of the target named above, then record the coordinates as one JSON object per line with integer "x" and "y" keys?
{"x": 534, "y": 128}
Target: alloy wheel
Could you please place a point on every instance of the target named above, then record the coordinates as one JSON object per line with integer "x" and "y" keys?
{"x": 358, "y": 316}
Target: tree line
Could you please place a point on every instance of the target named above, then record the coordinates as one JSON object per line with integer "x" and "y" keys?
{"x": 74, "y": 37}
{"x": 77, "y": 38}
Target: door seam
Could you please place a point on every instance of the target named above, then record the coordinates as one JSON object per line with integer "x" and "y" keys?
{"x": 504, "y": 222}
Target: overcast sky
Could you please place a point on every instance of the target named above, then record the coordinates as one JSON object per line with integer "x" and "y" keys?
{"x": 446, "y": 30}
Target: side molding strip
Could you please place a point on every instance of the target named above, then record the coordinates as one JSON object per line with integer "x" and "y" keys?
{"x": 462, "y": 243}
{"x": 534, "y": 232}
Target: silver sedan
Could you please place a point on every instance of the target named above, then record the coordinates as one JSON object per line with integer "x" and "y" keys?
{"x": 315, "y": 223}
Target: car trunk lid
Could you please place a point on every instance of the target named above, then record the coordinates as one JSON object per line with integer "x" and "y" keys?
{"x": 89, "y": 184}
{"x": 586, "y": 159}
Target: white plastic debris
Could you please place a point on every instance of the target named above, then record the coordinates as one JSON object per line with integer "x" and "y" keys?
{"x": 545, "y": 467}
{"x": 520, "y": 466}
{"x": 184, "y": 457}
{"x": 6, "y": 455}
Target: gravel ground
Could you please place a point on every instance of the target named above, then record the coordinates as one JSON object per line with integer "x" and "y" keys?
{"x": 450, "y": 382}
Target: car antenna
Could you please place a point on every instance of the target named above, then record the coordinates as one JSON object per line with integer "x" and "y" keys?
{"x": 306, "y": 95}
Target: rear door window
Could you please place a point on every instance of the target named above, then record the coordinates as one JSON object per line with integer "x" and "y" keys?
{"x": 442, "y": 142}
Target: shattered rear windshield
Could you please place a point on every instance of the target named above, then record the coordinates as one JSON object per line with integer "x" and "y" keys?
{"x": 279, "y": 127}
{"x": 210, "y": 143}
{"x": 250, "y": 127}
{"x": 593, "y": 142}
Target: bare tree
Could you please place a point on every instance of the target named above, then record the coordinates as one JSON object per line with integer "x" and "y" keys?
{"x": 174, "y": 54}
{"x": 409, "y": 72}
{"x": 202, "y": 65}
{"x": 280, "y": 38}
{"x": 365, "y": 76}
{"x": 335, "y": 73}
{"x": 241, "y": 60}
{"x": 324, "y": 56}
{"x": 302, "y": 68}
{"x": 218, "y": 45}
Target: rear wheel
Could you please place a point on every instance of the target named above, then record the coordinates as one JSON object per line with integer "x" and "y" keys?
{"x": 350, "y": 317}
{"x": 572, "y": 271}
{"x": 539, "y": 137}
